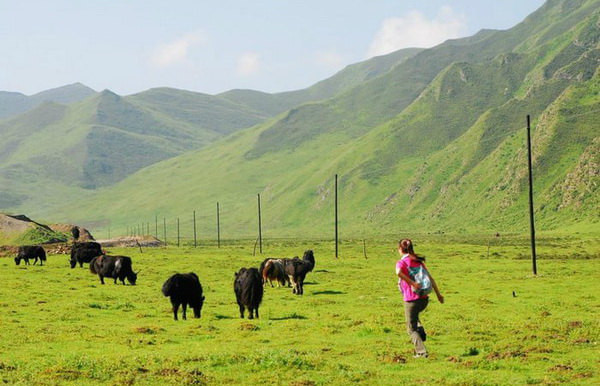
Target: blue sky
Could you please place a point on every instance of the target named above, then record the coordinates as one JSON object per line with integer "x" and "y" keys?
{"x": 213, "y": 46}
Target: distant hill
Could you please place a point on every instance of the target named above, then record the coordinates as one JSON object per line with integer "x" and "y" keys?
{"x": 434, "y": 144}
{"x": 346, "y": 79}
{"x": 201, "y": 111}
{"x": 64, "y": 144}
{"x": 106, "y": 137}
{"x": 14, "y": 103}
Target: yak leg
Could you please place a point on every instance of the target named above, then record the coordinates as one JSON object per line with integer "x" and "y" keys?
{"x": 26, "y": 261}
{"x": 250, "y": 311}
{"x": 256, "y": 312}
{"x": 101, "y": 279}
{"x": 41, "y": 261}
{"x": 241, "y": 311}
{"x": 35, "y": 261}
{"x": 81, "y": 265}
{"x": 184, "y": 306}
{"x": 300, "y": 285}
{"x": 175, "y": 309}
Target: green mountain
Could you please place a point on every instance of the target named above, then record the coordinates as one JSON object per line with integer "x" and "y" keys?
{"x": 200, "y": 111}
{"x": 64, "y": 144}
{"x": 346, "y": 79}
{"x": 436, "y": 143}
{"x": 13, "y": 103}
{"x": 55, "y": 153}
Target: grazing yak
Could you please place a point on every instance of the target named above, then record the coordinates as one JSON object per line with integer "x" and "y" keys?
{"x": 27, "y": 252}
{"x": 84, "y": 252}
{"x": 248, "y": 291}
{"x": 297, "y": 269}
{"x": 116, "y": 267}
{"x": 272, "y": 269}
{"x": 184, "y": 289}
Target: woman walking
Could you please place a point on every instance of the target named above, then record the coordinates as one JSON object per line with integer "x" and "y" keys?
{"x": 415, "y": 282}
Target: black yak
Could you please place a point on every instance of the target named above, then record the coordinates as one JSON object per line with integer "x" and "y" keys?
{"x": 297, "y": 269}
{"x": 184, "y": 289}
{"x": 75, "y": 233}
{"x": 116, "y": 267}
{"x": 272, "y": 269}
{"x": 27, "y": 252}
{"x": 248, "y": 291}
{"x": 84, "y": 252}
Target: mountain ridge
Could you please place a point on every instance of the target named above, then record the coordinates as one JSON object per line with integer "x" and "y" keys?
{"x": 15, "y": 103}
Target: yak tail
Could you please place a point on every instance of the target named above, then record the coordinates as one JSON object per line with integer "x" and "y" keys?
{"x": 42, "y": 255}
{"x": 93, "y": 264}
{"x": 265, "y": 271}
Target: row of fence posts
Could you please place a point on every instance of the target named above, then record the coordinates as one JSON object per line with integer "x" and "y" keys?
{"x": 137, "y": 231}
{"x": 259, "y": 240}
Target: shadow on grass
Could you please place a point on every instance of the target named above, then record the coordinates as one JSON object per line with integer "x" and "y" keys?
{"x": 292, "y": 316}
{"x": 324, "y": 271}
{"x": 328, "y": 293}
{"x": 219, "y": 316}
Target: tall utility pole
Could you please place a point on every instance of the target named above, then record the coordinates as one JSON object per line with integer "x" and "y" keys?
{"x": 165, "y": 230}
{"x": 259, "y": 227}
{"x": 218, "y": 228}
{"x": 336, "y": 216}
{"x": 195, "y": 240}
{"x": 531, "y": 219}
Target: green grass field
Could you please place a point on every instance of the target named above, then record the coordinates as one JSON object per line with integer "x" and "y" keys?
{"x": 61, "y": 326}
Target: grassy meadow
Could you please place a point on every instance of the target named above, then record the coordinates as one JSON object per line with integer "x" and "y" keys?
{"x": 61, "y": 326}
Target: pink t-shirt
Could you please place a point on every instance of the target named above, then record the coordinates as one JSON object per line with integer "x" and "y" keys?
{"x": 406, "y": 265}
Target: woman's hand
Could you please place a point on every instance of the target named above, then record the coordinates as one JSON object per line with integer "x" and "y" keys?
{"x": 440, "y": 298}
{"x": 416, "y": 286}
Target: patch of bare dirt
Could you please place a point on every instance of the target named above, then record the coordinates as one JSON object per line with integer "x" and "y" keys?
{"x": 145, "y": 241}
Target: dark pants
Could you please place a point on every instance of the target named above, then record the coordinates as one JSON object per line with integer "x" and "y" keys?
{"x": 411, "y": 312}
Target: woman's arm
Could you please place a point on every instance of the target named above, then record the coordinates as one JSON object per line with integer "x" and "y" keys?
{"x": 407, "y": 279}
{"x": 436, "y": 289}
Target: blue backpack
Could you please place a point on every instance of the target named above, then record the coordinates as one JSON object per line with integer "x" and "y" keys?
{"x": 421, "y": 276}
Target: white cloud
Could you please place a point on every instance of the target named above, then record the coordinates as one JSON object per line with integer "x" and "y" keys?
{"x": 248, "y": 64}
{"x": 415, "y": 30}
{"x": 329, "y": 59}
{"x": 176, "y": 52}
